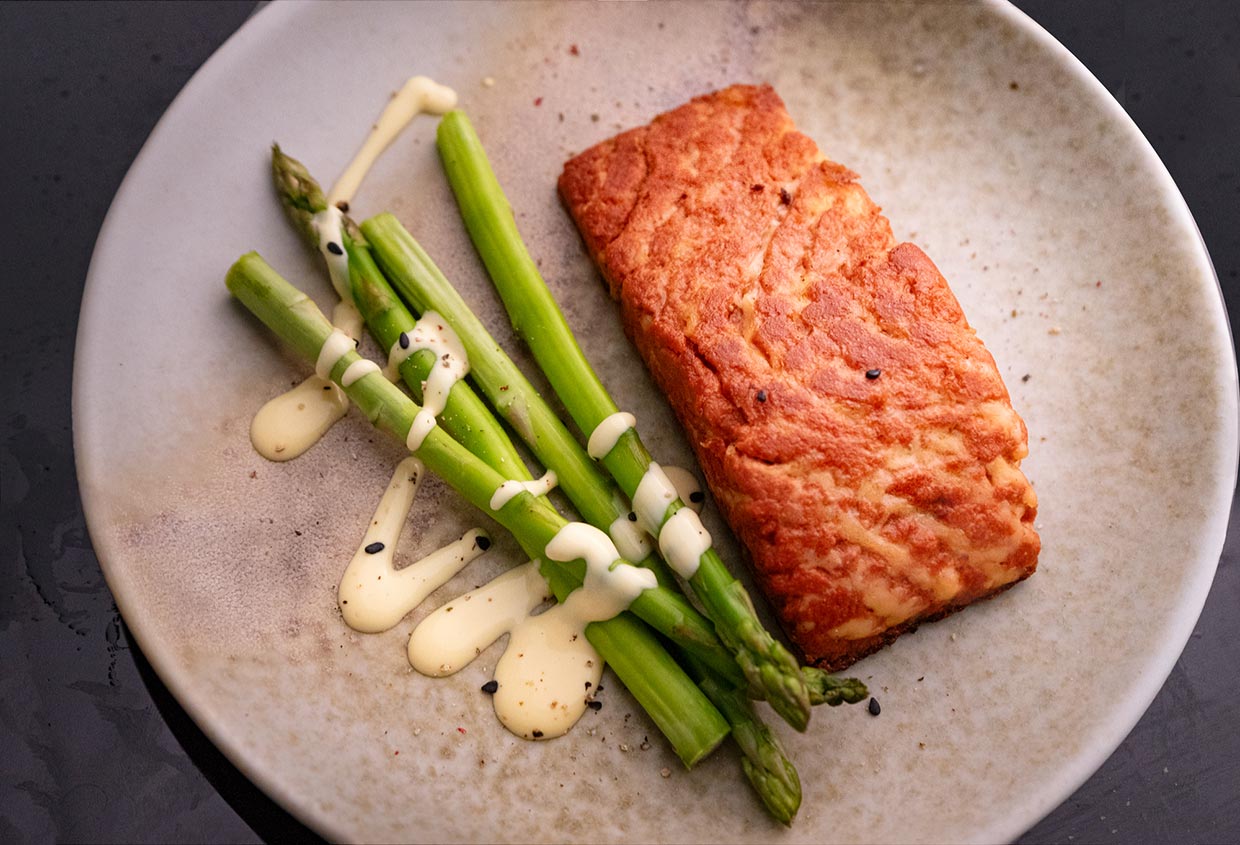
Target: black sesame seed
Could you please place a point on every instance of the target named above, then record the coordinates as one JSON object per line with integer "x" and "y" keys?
{"x": 632, "y": 517}
{"x": 334, "y": 248}
{"x": 697, "y": 496}
{"x": 761, "y": 397}
{"x": 404, "y": 341}
{"x": 490, "y": 687}
{"x": 373, "y": 548}
{"x": 483, "y": 542}
{"x": 785, "y": 197}
{"x": 874, "y": 708}
{"x": 537, "y": 734}
{"x": 594, "y": 705}
{"x": 757, "y": 189}
{"x": 873, "y": 374}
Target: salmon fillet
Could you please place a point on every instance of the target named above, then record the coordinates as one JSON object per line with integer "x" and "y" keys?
{"x": 853, "y": 429}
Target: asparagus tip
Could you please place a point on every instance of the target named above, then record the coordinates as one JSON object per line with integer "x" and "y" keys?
{"x": 300, "y": 195}
{"x": 833, "y": 691}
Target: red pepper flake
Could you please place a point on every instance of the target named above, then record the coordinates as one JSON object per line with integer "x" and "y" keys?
{"x": 757, "y": 189}
{"x": 538, "y": 101}
{"x": 253, "y": 473}
{"x": 1098, "y": 283}
{"x": 395, "y": 753}
{"x": 573, "y": 51}
{"x": 461, "y": 730}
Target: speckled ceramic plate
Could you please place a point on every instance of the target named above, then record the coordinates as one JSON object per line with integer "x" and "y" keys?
{"x": 986, "y": 143}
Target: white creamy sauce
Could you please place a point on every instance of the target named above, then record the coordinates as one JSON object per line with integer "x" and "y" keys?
{"x": 609, "y": 587}
{"x": 397, "y": 355}
{"x": 337, "y": 345}
{"x": 607, "y": 433}
{"x": 683, "y": 538}
{"x": 294, "y": 421}
{"x": 631, "y": 541}
{"x": 373, "y": 594}
{"x": 654, "y": 493}
{"x": 348, "y": 319}
{"x": 682, "y": 542}
{"x": 549, "y": 667}
{"x": 417, "y": 96}
{"x": 448, "y": 639}
{"x": 329, "y": 223}
{"x": 356, "y": 370}
{"x": 688, "y": 489}
{"x": 433, "y": 332}
{"x": 538, "y": 487}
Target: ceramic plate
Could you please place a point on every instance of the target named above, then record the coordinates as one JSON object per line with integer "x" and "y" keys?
{"x": 986, "y": 143}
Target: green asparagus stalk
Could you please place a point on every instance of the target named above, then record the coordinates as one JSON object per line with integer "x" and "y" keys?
{"x": 771, "y": 670}
{"x": 677, "y": 706}
{"x": 464, "y": 416}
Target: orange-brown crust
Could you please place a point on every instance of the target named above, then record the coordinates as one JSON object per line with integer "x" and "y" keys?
{"x": 760, "y": 284}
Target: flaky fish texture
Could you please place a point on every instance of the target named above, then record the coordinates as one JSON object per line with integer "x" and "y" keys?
{"x": 855, "y": 432}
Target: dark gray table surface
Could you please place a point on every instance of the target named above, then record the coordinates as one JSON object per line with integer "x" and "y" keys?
{"x": 94, "y": 746}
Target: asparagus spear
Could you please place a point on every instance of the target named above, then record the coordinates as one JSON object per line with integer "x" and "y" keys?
{"x": 677, "y": 706}
{"x": 771, "y": 670}
{"x": 464, "y": 416}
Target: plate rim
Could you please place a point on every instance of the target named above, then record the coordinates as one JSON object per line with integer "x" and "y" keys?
{"x": 1157, "y": 667}
{"x": 1161, "y": 661}
{"x": 157, "y": 654}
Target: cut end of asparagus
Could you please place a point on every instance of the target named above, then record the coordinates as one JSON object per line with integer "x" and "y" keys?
{"x": 827, "y": 689}
{"x": 299, "y": 193}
